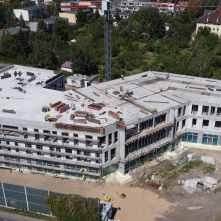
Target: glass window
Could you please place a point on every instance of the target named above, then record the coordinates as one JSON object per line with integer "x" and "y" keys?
{"x": 210, "y": 139}
{"x": 190, "y": 137}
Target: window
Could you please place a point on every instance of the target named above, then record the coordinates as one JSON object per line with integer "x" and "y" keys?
{"x": 64, "y": 139}
{"x": 58, "y": 149}
{"x": 16, "y": 143}
{"x": 106, "y": 156}
{"x": 194, "y": 122}
{"x": 17, "y": 150}
{"x": 109, "y": 139}
{"x": 51, "y": 148}
{"x": 205, "y": 110}
{"x": 179, "y": 112}
{"x": 177, "y": 126}
{"x": 115, "y": 136}
{"x": 68, "y": 150}
{"x": 184, "y": 110}
{"x": 218, "y": 111}
{"x": 190, "y": 137}
{"x": 39, "y": 146}
{"x": 183, "y": 123}
{"x": 218, "y": 124}
{"x": 52, "y": 155}
{"x": 213, "y": 29}
{"x": 25, "y": 129}
{"x": 87, "y": 153}
{"x": 36, "y": 130}
{"x": 212, "y": 112}
{"x": 9, "y": 149}
{"x": 28, "y": 151}
{"x": 7, "y": 142}
{"x": 194, "y": 109}
{"x": 97, "y": 155}
{"x": 37, "y": 136}
{"x": 68, "y": 157}
{"x": 113, "y": 153}
{"x": 217, "y": 29}
{"x": 78, "y": 152}
{"x": 39, "y": 153}
{"x": 28, "y": 144}
{"x": 205, "y": 123}
{"x": 75, "y": 135}
{"x": 210, "y": 139}
{"x": 54, "y": 132}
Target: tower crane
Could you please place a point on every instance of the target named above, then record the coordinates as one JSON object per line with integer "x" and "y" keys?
{"x": 105, "y": 6}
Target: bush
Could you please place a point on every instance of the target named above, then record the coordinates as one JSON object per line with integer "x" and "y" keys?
{"x": 13, "y": 60}
{"x": 128, "y": 66}
{"x": 73, "y": 207}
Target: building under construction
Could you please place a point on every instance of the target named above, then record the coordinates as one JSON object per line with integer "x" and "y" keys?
{"x": 116, "y": 125}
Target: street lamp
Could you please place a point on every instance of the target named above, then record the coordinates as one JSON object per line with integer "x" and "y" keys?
{"x": 103, "y": 201}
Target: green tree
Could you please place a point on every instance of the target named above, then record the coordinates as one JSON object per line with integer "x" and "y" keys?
{"x": 7, "y": 46}
{"x": 42, "y": 54}
{"x": 73, "y": 207}
{"x": 80, "y": 17}
{"x": 62, "y": 28}
{"x": 83, "y": 59}
{"x": 117, "y": 17}
{"x": 22, "y": 22}
{"x": 97, "y": 14}
{"x": 42, "y": 25}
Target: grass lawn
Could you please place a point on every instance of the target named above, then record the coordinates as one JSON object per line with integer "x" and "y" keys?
{"x": 26, "y": 213}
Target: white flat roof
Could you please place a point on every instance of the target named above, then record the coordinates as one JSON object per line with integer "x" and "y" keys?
{"x": 145, "y": 88}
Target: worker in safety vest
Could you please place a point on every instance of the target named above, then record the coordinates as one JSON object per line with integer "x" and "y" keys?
{"x": 122, "y": 76}
{"x": 84, "y": 177}
{"x": 167, "y": 75}
{"x": 121, "y": 88}
{"x": 106, "y": 91}
{"x": 81, "y": 170}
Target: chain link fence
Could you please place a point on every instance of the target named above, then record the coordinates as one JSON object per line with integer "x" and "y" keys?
{"x": 26, "y": 198}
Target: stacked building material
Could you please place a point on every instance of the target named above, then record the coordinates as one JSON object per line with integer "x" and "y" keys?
{"x": 81, "y": 121}
{"x": 113, "y": 114}
{"x": 64, "y": 108}
{"x": 93, "y": 120}
{"x": 56, "y": 107}
{"x": 81, "y": 113}
{"x": 8, "y": 111}
{"x": 55, "y": 104}
{"x": 94, "y": 107}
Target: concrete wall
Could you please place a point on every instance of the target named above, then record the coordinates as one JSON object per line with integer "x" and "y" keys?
{"x": 19, "y": 12}
{"x": 215, "y": 29}
{"x": 33, "y": 26}
{"x": 71, "y": 17}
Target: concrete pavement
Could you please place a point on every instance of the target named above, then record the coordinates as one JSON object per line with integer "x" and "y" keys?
{"x": 13, "y": 217}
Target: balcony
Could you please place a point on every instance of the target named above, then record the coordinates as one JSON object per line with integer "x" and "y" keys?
{"x": 204, "y": 113}
{"x": 194, "y": 112}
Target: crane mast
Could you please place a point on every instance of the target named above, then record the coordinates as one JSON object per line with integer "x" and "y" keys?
{"x": 105, "y": 5}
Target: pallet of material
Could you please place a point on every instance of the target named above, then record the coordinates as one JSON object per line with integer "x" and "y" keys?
{"x": 8, "y": 111}
{"x": 94, "y": 107}
{"x": 80, "y": 113}
{"x": 64, "y": 108}
{"x": 99, "y": 104}
{"x": 93, "y": 120}
{"x": 55, "y": 104}
{"x": 56, "y": 108}
{"x": 113, "y": 114}
{"x": 81, "y": 121}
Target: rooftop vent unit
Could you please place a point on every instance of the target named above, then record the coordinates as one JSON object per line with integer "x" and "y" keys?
{"x": 6, "y": 75}
{"x": 19, "y": 74}
{"x": 30, "y": 74}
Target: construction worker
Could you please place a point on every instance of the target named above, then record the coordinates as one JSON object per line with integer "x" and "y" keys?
{"x": 161, "y": 89}
{"x": 84, "y": 177}
{"x": 122, "y": 76}
{"x": 81, "y": 170}
{"x": 106, "y": 91}
{"x": 167, "y": 75}
{"x": 121, "y": 88}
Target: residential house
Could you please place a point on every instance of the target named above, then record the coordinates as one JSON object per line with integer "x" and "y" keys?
{"x": 67, "y": 3}
{"x": 211, "y": 19}
{"x": 124, "y": 15}
{"x": 66, "y": 66}
{"x": 14, "y": 31}
{"x": 30, "y": 12}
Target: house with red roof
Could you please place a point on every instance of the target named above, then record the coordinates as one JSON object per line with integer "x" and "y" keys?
{"x": 66, "y": 66}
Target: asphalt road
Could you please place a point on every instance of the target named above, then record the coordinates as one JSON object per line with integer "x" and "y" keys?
{"x": 12, "y": 217}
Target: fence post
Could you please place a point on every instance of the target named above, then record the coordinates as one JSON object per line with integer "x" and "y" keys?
{"x": 26, "y": 197}
{"x": 4, "y": 194}
{"x": 48, "y": 195}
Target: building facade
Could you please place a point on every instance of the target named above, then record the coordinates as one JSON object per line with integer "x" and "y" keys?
{"x": 212, "y": 20}
{"x": 115, "y": 125}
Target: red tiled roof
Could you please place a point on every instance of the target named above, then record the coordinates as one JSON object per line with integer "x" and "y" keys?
{"x": 66, "y": 64}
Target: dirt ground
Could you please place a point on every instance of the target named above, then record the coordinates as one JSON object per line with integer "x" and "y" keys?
{"x": 143, "y": 203}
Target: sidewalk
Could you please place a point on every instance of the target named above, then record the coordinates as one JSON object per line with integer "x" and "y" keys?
{"x": 13, "y": 217}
